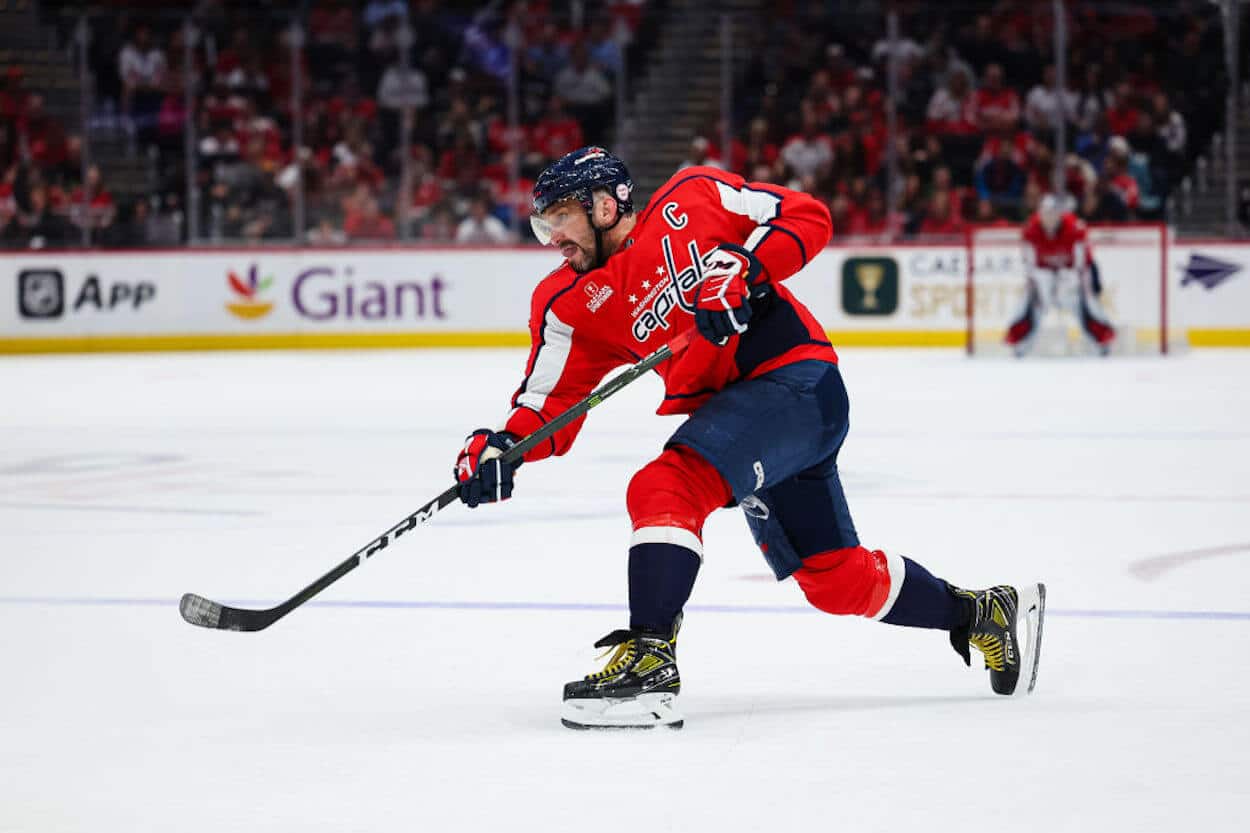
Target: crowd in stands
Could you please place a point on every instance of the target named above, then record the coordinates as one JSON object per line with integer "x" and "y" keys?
{"x": 372, "y": 74}
{"x": 978, "y": 110}
{"x": 977, "y": 116}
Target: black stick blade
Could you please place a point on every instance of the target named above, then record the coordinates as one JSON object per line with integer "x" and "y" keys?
{"x": 200, "y": 611}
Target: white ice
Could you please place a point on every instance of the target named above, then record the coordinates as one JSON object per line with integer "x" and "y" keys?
{"x": 128, "y": 480}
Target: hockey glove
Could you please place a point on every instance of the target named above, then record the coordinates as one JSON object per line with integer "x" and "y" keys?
{"x": 483, "y": 477}
{"x": 731, "y": 277}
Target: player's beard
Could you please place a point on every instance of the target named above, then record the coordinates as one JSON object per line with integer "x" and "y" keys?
{"x": 582, "y": 261}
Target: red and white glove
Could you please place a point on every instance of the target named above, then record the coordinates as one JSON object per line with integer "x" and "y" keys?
{"x": 482, "y": 475}
{"x": 731, "y": 277}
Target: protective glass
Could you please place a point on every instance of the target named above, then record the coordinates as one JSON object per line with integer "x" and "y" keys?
{"x": 556, "y": 218}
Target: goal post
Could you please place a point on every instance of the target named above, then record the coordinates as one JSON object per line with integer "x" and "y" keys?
{"x": 1132, "y": 266}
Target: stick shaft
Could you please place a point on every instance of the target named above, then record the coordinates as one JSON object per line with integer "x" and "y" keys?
{"x": 205, "y": 613}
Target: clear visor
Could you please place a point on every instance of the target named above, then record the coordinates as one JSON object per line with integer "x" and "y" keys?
{"x": 555, "y": 218}
{"x": 542, "y": 228}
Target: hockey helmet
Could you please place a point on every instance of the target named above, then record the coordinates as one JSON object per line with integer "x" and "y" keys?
{"x": 577, "y": 175}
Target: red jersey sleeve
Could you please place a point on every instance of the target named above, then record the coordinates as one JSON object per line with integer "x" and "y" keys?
{"x": 565, "y": 364}
{"x": 783, "y": 228}
{"x": 800, "y": 229}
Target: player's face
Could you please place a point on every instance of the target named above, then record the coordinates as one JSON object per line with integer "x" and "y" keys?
{"x": 566, "y": 226}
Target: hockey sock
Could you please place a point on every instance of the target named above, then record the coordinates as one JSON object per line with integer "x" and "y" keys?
{"x": 661, "y": 576}
{"x": 925, "y": 601}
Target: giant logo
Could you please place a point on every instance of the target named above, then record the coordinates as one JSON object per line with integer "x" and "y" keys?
{"x": 248, "y": 304}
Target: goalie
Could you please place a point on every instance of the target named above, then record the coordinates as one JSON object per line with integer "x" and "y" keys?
{"x": 1061, "y": 275}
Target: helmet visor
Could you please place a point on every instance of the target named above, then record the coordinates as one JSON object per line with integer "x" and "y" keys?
{"x": 542, "y": 229}
{"x": 556, "y": 218}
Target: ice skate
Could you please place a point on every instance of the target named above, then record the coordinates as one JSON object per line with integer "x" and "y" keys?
{"x": 1006, "y": 628}
{"x": 637, "y": 689}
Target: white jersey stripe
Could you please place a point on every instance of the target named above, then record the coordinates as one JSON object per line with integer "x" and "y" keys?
{"x": 549, "y": 364}
{"x": 760, "y": 206}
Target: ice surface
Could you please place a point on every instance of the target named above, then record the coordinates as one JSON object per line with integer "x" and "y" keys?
{"x": 424, "y": 693}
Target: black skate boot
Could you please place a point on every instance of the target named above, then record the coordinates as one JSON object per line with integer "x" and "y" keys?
{"x": 1006, "y": 627}
{"x": 637, "y": 689}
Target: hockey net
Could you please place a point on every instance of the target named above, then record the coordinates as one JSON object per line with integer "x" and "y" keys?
{"x": 1132, "y": 262}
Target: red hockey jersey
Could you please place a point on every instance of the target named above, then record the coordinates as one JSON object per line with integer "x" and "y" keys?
{"x": 1067, "y": 249}
{"x": 584, "y": 326}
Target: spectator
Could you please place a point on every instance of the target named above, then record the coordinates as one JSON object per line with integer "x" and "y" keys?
{"x": 1105, "y": 204}
{"x": 554, "y": 135}
{"x": 366, "y": 222}
{"x": 548, "y": 54}
{"x": 809, "y": 153}
{"x": 605, "y": 49}
{"x": 439, "y": 226}
{"x": 40, "y": 227}
{"x": 1044, "y": 108}
{"x": 142, "y": 66}
{"x": 952, "y": 118}
{"x": 847, "y": 218}
{"x": 759, "y": 150}
{"x": 1000, "y": 180}
{"x": 481, "y": 227}
{"x": 997, "y": 106}
{"x": 876, "y": 221}
{"x": 91, "y": 205}
{"x": 698, "y": 155}
{"x": 940, "y": 219}
{"x": 327, "y": 233}
{"x": 1122, "y": 115}
{"x": 1116, "y": 173}
{"x": 586, "y": 90}
{"x": 1093, "y": 99}
{"x": 400, "y": 89}
{"x": 1173, "y": 136}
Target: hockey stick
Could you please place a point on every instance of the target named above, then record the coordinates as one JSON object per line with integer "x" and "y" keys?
{"x": 206, "y": 613}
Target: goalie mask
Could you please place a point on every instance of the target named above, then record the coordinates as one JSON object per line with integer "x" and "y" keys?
{"x": 1050, "y": 213}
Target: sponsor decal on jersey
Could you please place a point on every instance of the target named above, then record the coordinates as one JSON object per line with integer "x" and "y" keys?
{"x": 870, "y": 285}
{"x": 598, "y": 295}
{"x": 1208, "y": 271}
{"x": 45, "y": 294}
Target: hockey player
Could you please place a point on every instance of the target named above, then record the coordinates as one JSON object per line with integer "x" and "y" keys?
{"x": 1060, "y": 270}
{"x": 768, "y": 414}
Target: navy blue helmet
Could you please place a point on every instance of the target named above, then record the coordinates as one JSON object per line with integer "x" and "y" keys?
{"x": 578, "y": 174}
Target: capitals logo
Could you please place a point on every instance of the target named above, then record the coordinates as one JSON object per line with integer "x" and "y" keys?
{"x": 674, "y": 289}
{"x": 248, "y": 304}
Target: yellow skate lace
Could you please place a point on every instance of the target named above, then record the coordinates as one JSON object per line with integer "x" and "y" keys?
{"x": 622, "y": 656}
{"x": 992, "y": 648}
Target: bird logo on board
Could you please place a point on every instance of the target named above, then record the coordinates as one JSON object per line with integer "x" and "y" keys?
{"x": 248, "y": 305}
{"x": 1208, "y": 271}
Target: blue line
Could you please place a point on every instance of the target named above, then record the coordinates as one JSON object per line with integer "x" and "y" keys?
{"x": 400, "y": 604}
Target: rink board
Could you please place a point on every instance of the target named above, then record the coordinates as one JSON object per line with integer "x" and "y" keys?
{"x": 872, "y": 295}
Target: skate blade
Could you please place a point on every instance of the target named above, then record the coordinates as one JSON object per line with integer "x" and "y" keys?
{"x": 1031, "y": 611}
{"x": 646, "y": 711}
